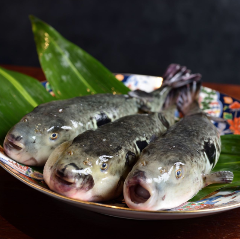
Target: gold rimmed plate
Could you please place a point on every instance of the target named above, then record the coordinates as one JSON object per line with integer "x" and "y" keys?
{"x": 214, "y": 103}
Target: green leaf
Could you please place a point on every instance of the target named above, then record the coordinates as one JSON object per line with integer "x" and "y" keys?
{"x": 70, "y": 70}
{"x": 19, "y": 95}
{"x": 229, "y": 160}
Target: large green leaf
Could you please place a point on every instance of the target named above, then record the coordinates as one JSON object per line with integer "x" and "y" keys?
{"x": 70, "y": 70}
{"x": 19, "y": 95}
{"x": 229, "y": 161}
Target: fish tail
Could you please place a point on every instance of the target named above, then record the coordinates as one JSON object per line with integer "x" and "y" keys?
{"x": 173, "y": 74}
{"x": 174, "y": 78}
{"x": 177, "y": 78}
{"x": 187, "y": 99}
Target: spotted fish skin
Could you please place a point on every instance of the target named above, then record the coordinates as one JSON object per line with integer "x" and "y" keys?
{"x": 66, "y": 119}
{"x": 105, "y": 156}
{"x": 173, "y": 168}
{"x": 32, "y": 140}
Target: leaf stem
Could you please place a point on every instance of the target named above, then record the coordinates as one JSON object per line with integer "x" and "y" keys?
{"x": 18, "y": 86}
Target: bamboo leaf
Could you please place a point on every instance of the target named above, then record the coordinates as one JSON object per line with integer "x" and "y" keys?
{"x": 19, "y": 95}
{"x": 229, "y": 160}
{"x": 70, "y": 70}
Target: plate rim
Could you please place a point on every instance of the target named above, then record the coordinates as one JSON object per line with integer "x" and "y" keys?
{"x": 56, "y": 195}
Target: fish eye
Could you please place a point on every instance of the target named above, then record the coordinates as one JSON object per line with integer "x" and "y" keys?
{"x": 54, "y": 136}
{"x": 179, "y": 173}
{"x": 104, "y": 166}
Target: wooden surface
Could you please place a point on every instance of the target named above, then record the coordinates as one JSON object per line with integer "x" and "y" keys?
{"x": 27, "y": 213}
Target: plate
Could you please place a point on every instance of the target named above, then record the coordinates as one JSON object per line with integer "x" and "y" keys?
{"x": 212, "y": 102}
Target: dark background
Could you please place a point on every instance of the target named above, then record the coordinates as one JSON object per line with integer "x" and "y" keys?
{"x": 133, "y": 36}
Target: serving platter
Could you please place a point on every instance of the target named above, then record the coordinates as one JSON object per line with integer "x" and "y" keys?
{"x": 212, "y": 102}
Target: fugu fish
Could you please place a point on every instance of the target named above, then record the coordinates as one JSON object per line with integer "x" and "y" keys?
{"x": 38, "y": 133}
{"x": 173, "y": 168}
{"x": 95, "y": 164}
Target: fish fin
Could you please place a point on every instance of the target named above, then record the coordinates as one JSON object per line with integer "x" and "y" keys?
{"x": 172, "y": 75}
{"x": 181, "y": 83}
{"x": 187, "y": 101}
{"x": 143, "y": 97}
{"x": 216, "y": 119}
{"x": 218, "y": 177}
{"x": 177, "y": 76}
{"x": 163, "y": 120}
{"x": 169, "y": 114}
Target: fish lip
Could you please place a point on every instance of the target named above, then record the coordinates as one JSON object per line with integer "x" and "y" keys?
{"x": 69, "y": 188}
{"x": 64, "y": 180}
{"x": 12, "y": 145}
{"x": 130, "y": 185}
{"x": 60, "y": 185}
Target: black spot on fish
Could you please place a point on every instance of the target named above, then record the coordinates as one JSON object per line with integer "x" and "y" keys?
{"x": 141, "y": 145}
{"x": 210, "y": 151}
{"x": 129, "y": 157}
{"x": 163, "y": 120}
{"x": 102, "y": 119}
{"x": 118, "y": 148}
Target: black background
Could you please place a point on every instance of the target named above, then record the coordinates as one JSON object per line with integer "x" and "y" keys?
{"x": 133, "y": 36}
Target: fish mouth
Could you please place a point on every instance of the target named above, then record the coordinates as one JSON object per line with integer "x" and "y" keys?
{"x": 137, "y": 190}
{"x": 138, "y": 194}
{"x": 64, "y": 181}
{"x": 12, "y": 145}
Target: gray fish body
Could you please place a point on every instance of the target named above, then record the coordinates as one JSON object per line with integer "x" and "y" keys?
{"x": 53, "y": 123}
{"x": 93, "y": 167}
{"x": 174, "y": 167}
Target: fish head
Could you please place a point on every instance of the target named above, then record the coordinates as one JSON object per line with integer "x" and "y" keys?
{"x": 83, "y": 173}
{"x": 34, "y": 137}
{"x": 159, "y": 184}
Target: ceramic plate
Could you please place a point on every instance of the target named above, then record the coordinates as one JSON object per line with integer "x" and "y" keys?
{"x": 212, "y": 102}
